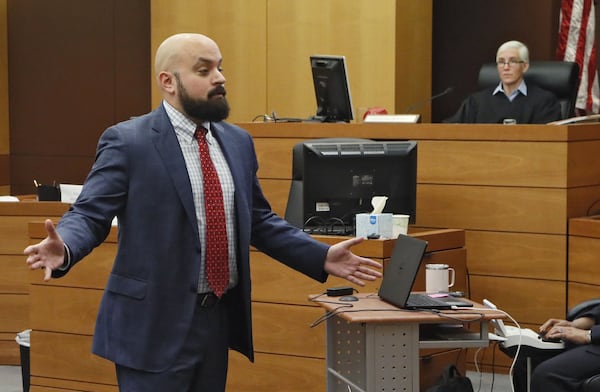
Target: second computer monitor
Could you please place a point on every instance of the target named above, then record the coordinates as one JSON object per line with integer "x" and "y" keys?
{"x": 332, "y": 89}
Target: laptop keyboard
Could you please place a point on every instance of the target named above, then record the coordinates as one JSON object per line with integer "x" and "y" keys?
{"x": 422, "y": 300}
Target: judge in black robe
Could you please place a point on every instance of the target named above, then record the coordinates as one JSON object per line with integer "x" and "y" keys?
{"x": 512, "y": 99}
{"x": 539, "y": 106}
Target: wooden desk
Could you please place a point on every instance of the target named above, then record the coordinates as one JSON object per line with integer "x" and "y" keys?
{"x": 374, "y": 346}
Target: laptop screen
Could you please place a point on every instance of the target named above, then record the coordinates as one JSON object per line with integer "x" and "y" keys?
{"x": 401, "y": 271}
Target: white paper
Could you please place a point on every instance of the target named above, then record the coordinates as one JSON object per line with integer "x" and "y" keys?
{"x": 8, "y": 199}
{"x": 69, "y": 192}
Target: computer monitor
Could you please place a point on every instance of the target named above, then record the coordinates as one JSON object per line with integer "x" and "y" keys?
{"x": 332, "y": 90}
{"x": 340, "y": 180}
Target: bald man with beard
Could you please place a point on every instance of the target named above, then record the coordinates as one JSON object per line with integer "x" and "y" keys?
{"x": 162, "y": 321}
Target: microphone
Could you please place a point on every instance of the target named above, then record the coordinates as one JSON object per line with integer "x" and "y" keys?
{"x": 423, "y": 102}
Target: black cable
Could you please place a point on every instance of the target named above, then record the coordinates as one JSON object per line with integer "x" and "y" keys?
{"x": 589, "y": 210}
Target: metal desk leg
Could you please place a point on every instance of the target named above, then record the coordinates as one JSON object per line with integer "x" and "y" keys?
{"x": 372, "y": 357}
{"x": 393, "y": 357}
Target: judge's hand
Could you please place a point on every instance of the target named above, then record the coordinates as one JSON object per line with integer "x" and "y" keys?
{"x": 341, "y": 262}
{"x": 48, "y": 254}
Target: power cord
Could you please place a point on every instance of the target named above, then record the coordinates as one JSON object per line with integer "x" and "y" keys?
{"x": 510, "y": 372}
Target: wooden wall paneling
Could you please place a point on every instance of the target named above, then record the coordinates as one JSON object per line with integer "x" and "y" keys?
{"x": 582, "y": 200}
{"x": 71, "y": 41}
{"x": 583, "y": 260}
{"x": 520, "y": 297}
{"x": 413, "y": 58}
{"x": 501, "y": 163}
{"x": 239, "y": 27}
{"x": 132, "y": 80}
{"x": 15, "y": 309}
{"x": 67, "y": 386}
{"x": 276, "y": 192}
{"x": 579, "y": 292}
{"x": 588, "y": 226}
{"x": 270, "y": 373}
{"x": 515, "y": 209}
{"x": 584, "y": 245}
{"x": 14, "y": 277}
{"x": 278, "y": 153}
{"x": 59, "y": 359}
{"x": 70, "y": 310}
{"x": 8, "y": 355}
{"x": 364, "y": 33}
{"x": 14, "y": 281}
{"x": 511, "y": 254}
{"x": 287, "y": 330}
{"x": 582, "y": 165}
{"x": 13, "y": 228}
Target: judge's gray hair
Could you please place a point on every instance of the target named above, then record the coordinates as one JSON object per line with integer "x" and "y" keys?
{"x": 521, "y": 47}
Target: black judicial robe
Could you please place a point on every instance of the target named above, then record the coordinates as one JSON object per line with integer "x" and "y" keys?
{"x": 539, "y": 106}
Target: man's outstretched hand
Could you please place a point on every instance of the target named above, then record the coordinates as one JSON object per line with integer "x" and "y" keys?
{"x": 48, "y": 254}
{"x": 341, "y": 262}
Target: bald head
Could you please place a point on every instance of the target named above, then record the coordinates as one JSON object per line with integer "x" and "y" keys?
{"x": 189, "y": 75}
{"x": 178, "y": 48}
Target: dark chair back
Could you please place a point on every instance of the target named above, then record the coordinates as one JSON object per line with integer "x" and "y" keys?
{"x": 559, "y": 77}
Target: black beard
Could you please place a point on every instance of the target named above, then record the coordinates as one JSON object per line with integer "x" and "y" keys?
{"x": 212, "y": 110}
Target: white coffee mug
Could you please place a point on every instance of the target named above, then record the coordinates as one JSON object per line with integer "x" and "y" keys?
{"x": 438, "y": 278}
{"x": 399, "y": 225}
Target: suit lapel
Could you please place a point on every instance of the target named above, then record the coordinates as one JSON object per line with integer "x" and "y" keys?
{"x": 167, "y": 145}
{"x": 231, "y": 152}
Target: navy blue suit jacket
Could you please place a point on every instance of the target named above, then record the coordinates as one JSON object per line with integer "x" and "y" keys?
{"x": 140, "y": 176}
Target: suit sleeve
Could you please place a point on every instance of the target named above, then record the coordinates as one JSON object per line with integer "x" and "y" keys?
{"x": 88, "y": 221}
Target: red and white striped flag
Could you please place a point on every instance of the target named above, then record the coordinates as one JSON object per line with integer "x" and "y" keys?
{"x": 577, "y": 42}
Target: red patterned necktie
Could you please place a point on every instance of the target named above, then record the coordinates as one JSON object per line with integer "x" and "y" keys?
{"x": 217, "y": 256}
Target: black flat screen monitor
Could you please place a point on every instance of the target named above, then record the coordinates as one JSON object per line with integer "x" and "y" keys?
{"x": 332, "y": 90}
{"x": 340, "y": 180}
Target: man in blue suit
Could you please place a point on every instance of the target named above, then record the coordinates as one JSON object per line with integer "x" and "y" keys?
{"x": 160, "y": 320}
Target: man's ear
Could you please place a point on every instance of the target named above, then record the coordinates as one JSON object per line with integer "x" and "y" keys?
{"x": 526, "y": 67}
{"x": 166, "y": 80}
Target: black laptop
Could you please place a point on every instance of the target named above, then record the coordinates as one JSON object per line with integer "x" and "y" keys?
{"x": 399, "y": 277}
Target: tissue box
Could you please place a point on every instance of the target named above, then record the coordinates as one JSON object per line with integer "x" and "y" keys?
{"x": 374, "y": 224}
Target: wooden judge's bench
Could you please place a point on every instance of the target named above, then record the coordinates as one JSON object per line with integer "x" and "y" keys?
{"x": 511, "y": 188}
{"x": 506, "y": 192}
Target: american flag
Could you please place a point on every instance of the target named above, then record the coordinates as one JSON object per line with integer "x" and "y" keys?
{"x": 577, "y": 42}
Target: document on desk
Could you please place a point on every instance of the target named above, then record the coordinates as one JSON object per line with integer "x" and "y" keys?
{"x": 69, "y": 192}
